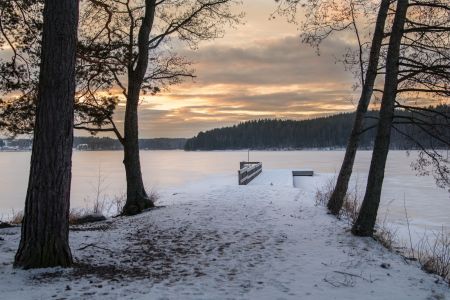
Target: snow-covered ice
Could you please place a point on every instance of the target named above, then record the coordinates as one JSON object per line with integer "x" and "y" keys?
{"x": 216, "y": 240}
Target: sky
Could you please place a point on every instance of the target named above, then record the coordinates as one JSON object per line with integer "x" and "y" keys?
{"x": 260, "y": 69}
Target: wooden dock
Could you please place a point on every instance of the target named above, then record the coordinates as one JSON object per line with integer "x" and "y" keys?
{"x": 248, "y": 171}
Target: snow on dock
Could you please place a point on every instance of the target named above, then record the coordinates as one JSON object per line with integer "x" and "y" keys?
{"x": 217, "y": 240}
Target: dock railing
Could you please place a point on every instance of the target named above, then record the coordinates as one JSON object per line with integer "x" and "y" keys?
{"x": 248, "y": 171}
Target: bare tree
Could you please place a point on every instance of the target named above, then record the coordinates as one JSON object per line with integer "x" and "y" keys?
{"x": 365, "y": 222}
{"x": 416, "y": 62}
{"x": 45, "y": 230}
{"x": 340, "y": 190}
{"x": 125, "y": 44}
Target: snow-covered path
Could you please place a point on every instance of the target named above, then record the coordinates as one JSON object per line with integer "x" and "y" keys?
{"x": 217, "y": 240}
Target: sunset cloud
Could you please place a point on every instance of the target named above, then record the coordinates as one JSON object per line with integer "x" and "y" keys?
{"x": 271, "y": 78}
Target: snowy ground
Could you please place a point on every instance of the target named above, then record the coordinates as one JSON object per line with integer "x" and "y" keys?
{"x": 218, "y": 240}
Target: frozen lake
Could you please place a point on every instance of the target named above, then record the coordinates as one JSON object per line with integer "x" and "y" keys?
{"x": 428, "y": 206}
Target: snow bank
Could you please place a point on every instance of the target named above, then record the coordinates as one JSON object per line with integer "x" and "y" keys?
{"x": 217, "y": 240}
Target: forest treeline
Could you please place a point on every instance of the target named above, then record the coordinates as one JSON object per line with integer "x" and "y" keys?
{"x": 325, "y": 132}
{"x": 105, "y": 143}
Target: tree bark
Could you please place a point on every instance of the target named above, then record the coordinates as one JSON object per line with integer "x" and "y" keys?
{"x": 45, "y": 230}
{"x": 340, "y": 190}
{"x": 137, "y": 199}
{"x": 365, "y": 223}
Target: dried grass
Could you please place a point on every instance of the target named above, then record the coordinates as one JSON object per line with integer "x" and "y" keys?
{"x": 434, "y": 255}
{"x": 117, "y": 204}
{"x": 351, "y": 205}
{"x": 16, "y": 217}
{"x": 153, "y": 195}
{"x": 386, "y": 237}
{"x": 74, "y": 216}
{"x": 323, "y": 194}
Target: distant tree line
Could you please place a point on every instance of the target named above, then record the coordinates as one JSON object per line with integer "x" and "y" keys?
{"x": 326, "y": 132}
{"x": 162, "y": 144}
{"x": 106, "y": 143}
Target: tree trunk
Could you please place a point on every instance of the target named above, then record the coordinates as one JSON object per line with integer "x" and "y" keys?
{"x": 137, "y": 199}
{"x": 340, "y": 190}
{"x": 365, "y": 223}
{"x": 45, "y": 230}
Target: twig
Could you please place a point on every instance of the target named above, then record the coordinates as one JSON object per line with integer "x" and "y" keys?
{"x": 353, "y": 275}
{"x": 332, "y": 283}
{"x": 407, "y": 223}
{"x": 95, "y": 246}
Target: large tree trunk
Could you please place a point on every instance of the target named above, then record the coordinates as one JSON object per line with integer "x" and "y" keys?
{"x": 365, "y": 223}
{"x": 45, "y": 230}
{"x": 340, "y": 190}
{"x": 137, "y": 199}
